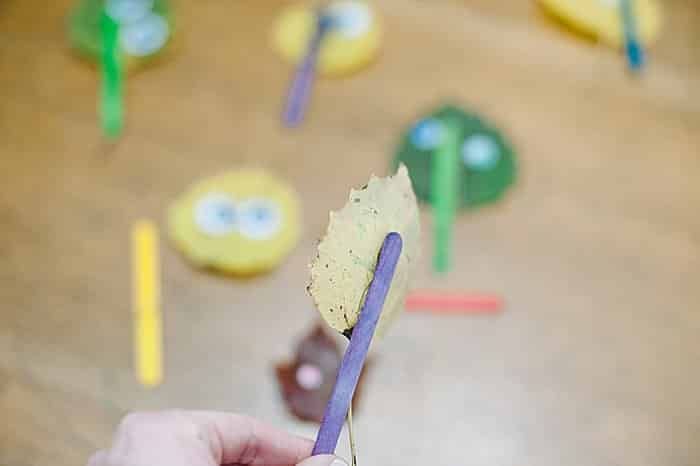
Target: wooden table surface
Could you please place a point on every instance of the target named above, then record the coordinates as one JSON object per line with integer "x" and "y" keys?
{"x": 596, "y": 250}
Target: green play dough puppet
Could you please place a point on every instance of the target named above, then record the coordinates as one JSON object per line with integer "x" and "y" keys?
{"x": 486, "y": 160}
{"x": 145, "y": 27}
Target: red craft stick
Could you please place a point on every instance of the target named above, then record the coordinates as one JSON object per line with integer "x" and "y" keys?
{"x": 452, "y": 302}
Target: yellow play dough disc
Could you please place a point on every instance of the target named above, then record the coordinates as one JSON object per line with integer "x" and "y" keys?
{"x": 347, "y": 254}
{"x": 242, "y": 222}
{"x": 602, "y": 19}
{"x": 350, "y": 45}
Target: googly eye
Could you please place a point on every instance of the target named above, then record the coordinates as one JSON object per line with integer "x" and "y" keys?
{"x": 426, "y": 135}
{"x": 259, "y": 219}
{"x": 480, "y": 152}
{"x": 145, "y": 36}
{"x": 350, "y": 18}
{"x": 128, "y": 11}
{"x": 309, "y": 377}
{"x": 215, "y": 214}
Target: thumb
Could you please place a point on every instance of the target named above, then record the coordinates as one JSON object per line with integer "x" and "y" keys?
{"x": 323, "y": 460}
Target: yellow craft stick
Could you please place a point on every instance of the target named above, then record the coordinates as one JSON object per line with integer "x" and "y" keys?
{"x": 148, "y": 342}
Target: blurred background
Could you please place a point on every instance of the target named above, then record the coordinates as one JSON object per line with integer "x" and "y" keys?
{"x": 594, "y": 250}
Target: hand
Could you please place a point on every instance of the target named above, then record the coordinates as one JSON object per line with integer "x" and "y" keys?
{"x": 202, "y": 438}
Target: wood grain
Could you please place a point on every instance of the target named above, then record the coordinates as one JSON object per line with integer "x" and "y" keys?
{"x": 596, "y": 251}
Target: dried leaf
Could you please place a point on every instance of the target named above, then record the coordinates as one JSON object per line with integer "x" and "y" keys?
{"x": 347, "y": 255}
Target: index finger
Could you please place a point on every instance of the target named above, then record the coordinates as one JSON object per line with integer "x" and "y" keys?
{"x": 237, "y": 439}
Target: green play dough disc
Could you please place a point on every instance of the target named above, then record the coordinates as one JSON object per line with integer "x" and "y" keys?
{"x": 145, "y": 27}
{"x": 486, "y": 159}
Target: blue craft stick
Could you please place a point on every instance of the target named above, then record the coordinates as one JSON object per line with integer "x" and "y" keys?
{"x": 355, "y": 355}
{"x": 633, "y": 45}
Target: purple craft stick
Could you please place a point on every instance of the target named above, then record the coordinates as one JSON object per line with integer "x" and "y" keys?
{"x": 300, "y": 90}
{"x": 354, "y": 358}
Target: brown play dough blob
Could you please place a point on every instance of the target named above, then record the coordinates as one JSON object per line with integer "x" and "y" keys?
{"x": 317, "y": 350}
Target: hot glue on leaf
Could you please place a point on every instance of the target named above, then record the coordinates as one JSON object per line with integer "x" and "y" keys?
{"x": 347, "y": 255}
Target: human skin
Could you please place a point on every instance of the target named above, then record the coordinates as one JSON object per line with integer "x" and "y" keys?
{"x": 205, "y": 438}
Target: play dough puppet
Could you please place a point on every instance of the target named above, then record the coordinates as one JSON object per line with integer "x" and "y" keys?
{"x": 351, "y": 43}
{"x": 242, "y": 222}
{"x": 359, "y": 279}
{"x": 618, "y": 23}
{"x": 455, "y": 160}
{"x": 486, "y": 163}
{"x": 333, "y": 39}
{"x": 144, "y": 26}
{"x": 118, "y": 34}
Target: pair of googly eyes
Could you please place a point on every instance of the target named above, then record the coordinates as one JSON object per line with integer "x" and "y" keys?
{"x": 479, "y": 150}
{"x": 218, "y": 214}
{"x": 143, "y": 32}
{"x": 351, "y": 19}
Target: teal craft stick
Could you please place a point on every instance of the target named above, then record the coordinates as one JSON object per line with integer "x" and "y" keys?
{"x": 111, "y": 97}
{"x": 633, "y": 45}
{"x": 443, "y": 186}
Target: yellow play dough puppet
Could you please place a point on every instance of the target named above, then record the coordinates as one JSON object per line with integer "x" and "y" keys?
{"x": 351, "y": 43}
{"x": 242, "y": 222}
{"x": 347, "y": 254}
{"x": 602, "y": 18}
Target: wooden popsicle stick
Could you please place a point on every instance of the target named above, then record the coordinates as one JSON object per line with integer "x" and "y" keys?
{"x": 111, "y": 97}
{"x": 633, "y": 45}
{"x": 355, "y": 355}
{"x": 443, "y": 193}
{"x": 148, "y": 340}
{"x": 300, "y": 90}
{"x": 452, "y": 302}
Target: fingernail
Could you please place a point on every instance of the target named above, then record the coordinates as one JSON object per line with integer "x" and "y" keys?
{"x": 323, "y": 460}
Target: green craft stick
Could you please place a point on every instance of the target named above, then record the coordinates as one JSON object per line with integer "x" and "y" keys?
{"x": 111, "y": 99}
{"x": 443, "y": 186}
